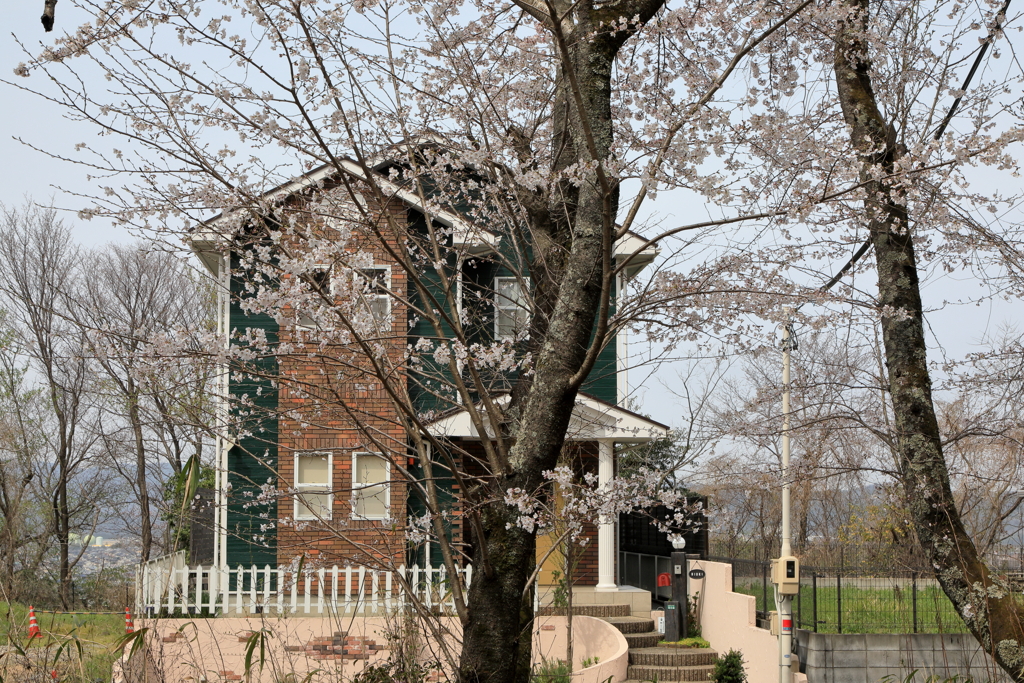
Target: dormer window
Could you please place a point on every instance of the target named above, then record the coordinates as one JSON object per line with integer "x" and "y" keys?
{"x": 511, "y": 313}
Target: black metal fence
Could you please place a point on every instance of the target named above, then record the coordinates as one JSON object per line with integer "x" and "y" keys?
{"x": 641, "y": 570}
{"x": 639, "y": 534}
{"x": 853, "y": 601}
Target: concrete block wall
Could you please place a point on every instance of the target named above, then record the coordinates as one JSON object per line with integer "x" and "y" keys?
{"x": 860, "y": 658}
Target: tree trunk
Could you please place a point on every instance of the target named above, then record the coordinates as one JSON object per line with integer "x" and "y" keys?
{"x": 145, "y": 520}
{"x": 497, "y": 635}
{"x": 983, "y": 601}
{"x": 63, "y": 521}
{"x": 572, "y": 248}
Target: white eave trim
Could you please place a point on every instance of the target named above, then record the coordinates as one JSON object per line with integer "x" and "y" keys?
{"x": 204, "y": 246}
{"x": 477, "y": 240}
{"x": 630, "y": 244}
{"x": 591, "y": 420}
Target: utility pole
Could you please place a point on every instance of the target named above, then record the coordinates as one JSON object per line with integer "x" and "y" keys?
{"x": 786, "y": 569}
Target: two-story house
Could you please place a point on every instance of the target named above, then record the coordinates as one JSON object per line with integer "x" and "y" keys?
{"x": 371, "y": 329}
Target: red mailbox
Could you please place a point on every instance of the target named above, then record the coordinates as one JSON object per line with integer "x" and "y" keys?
{"x": 664, "y": 580}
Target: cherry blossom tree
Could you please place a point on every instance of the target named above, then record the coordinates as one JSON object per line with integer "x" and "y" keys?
{"x": 553, "y": 124}
{"x": 896, "y": 107}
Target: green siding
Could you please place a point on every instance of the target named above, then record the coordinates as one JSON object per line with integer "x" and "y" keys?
{"x": 435, "y": 378}
{"x": 602, "y": 382}
{"x": 417, "y": 506}
{"x": 253, "y": 460}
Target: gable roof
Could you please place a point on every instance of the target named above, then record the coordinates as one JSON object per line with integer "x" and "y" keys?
{"x": 474, "y": 238}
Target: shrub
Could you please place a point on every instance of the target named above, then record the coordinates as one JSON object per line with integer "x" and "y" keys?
{"x": 729, "y": 669}
{"x": 693, "y": 629}
{"x": 695, "y": 641}
{"x": 391, "y": 672}
{"x": 551, "y": 671}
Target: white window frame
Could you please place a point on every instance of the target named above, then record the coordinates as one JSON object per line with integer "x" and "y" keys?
{"x": 327, "y": 488}
{"x": 359, "y": 487}
{"x": 520, "y": 282}
{"x": 359, "y": 278}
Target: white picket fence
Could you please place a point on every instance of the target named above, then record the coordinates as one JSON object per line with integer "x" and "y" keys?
{"x": 168, "y": 588}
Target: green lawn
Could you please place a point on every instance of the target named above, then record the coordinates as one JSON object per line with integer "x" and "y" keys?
{"x": 867, "y": 610}
{"x": 96, "y": 634}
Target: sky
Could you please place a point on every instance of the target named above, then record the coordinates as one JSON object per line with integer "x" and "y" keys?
{"x": 28, "y": 172}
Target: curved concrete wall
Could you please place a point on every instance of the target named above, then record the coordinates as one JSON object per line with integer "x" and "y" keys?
{"x": 592, "y": 638}
{"x": 340, "y": 647}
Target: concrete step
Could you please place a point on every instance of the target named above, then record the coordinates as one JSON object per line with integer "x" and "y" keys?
{"x": 601, "y": 611}
{"x": 650, "y": 639}
{"x": 631, "y": 624}
{"x": 669, "y": 673}
{"x": 666, "y": 656}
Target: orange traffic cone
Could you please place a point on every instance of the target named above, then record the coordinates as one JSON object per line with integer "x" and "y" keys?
{"x": 129, "y": 625}
{"x": 33, "y": 625}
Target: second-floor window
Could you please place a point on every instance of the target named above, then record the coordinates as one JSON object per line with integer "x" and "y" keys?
{"x": 320, "y": 285}
{"x": 371, "y": 492}
{"x": 313, "y": 486}
{"x": 511, "y": 313}
{"x": 373, "y": 286}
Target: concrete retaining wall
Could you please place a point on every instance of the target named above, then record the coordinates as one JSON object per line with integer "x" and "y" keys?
{"x": 853, "y": 658}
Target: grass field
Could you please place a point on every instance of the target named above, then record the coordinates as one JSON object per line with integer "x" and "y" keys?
{"x": 79, "y": 647}
{"x": 867, "y": 610}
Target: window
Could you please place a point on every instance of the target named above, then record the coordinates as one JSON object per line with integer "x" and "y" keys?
{"x": 313, "y": 486}
{"x": 511, "y": 315}
{"x": 320, "y": 284}
{"x": 373, "y": 287}
{"x": 371, "y": 493}
{"x": 320, "y": 277}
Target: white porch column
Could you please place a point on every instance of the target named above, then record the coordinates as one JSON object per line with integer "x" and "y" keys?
{"x": 606, "y": 529}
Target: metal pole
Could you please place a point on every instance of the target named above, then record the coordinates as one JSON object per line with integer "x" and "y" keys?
{"x": 680, "y": 590}
{"x": 785, "y": 602}
{"x": 764, "y": 586}
{"x": 913, "y": 589}
{"x": 814, "y": 598}
{"x": 839, "y": 601}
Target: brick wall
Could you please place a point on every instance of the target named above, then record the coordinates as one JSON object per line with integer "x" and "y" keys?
{"x": 335, "y": 400}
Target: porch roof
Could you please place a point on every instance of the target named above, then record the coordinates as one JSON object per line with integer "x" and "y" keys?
{"x": 592, "y": 419}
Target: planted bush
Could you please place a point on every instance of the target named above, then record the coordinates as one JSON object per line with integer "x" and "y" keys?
{"x": 729, "y": 669}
